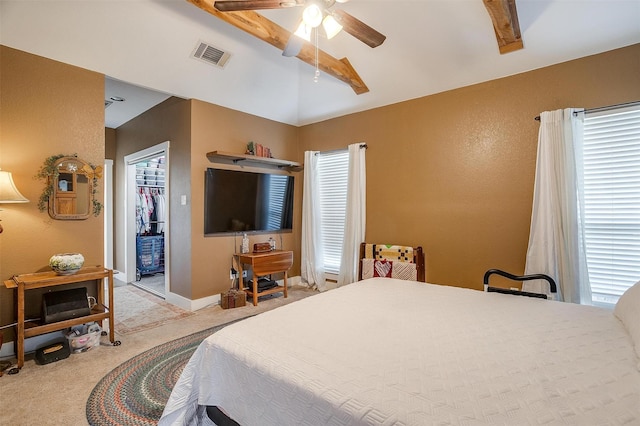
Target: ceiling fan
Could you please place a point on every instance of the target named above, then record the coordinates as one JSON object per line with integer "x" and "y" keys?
{"x": 315, "y": 14}
{"x": 252, "y": 22}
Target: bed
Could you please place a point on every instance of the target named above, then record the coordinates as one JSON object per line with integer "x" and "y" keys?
{"x": 384, "y": 351}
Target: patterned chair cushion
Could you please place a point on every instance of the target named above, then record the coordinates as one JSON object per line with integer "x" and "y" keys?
{"x": 389, "y": 252}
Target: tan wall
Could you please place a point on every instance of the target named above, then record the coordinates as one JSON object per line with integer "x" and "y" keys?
{"x": 109, "y": 143}
{"x": 200, "y": 265}
{"x": 46, "y": 108}
{"x": 215, "y": 128}
{"x": 168, "y": 121}
{"x": 454, "y": 172}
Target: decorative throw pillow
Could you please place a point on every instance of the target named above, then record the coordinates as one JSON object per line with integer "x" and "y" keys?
{"x": 382, "y": 268}
{"x": 404, "y": 271}
{"x": 627, "y": 310}
{"x": 367, "y": 268}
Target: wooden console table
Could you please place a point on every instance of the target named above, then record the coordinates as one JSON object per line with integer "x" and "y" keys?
{"x": 265, "y": 264}
{"x": 99, "y": 312}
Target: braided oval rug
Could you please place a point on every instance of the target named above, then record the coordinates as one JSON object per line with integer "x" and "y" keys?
{"x": 135, "y": 392}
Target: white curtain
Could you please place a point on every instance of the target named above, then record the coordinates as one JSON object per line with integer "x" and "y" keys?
{"x": 312, "y": 257}
{"x": 355, "y": 220}
{"x": 556, "y": 238}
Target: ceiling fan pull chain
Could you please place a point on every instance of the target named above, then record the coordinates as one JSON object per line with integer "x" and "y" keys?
{"x": 317, "y": 74}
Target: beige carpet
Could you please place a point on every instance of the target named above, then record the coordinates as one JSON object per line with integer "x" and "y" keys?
{"x": 136, "y": 310}
{"x": 57, "y": 393}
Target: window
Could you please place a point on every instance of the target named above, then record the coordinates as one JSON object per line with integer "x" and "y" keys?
{"x": 333, "y": 168}
{"x": 277, "y": 186}
{"x": 612, "y": 201}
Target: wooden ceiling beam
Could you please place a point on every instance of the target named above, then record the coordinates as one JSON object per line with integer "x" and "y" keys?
{"x": 504, "y": 16}
{"x": 266, "y": 30}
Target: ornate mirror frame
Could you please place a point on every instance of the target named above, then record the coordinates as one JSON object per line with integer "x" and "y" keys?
{"x": 71, "y": 188}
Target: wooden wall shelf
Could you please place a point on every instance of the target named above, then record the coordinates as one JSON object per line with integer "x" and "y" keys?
{"x": 252, "y": 160}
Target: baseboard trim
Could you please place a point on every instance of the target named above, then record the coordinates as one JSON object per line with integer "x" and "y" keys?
{"x": 7, "y": 350}
{"x": 191, "y": 305}
{"x": 194, "y": 305}
{"x": 31, "y": 344}
{"x": 291, "y": 281}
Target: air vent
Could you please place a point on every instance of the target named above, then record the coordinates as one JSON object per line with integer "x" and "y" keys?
{"x": 107, "y": 103}
{"x": 211, "y": 54}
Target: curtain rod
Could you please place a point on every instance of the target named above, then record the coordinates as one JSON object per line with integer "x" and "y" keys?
{"x": 603, "y": 108}
{"x": 362, "y": 145}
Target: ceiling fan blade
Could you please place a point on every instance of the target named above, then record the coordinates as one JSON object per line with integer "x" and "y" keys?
{"x": 233, "y": 5}
{"x": 358, "y": 29}
{"x": 293, "y": 47}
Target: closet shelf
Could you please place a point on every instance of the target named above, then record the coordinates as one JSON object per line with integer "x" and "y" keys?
{"x": 252, "y": 160}
{"x": 150, "y": 168}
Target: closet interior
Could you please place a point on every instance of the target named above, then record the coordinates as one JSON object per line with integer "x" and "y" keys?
{"x": 150, "y": 224}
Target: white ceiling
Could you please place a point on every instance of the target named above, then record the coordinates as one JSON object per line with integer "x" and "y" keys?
{"x": 136, "y": 100}
{"x": 432, "y": 46}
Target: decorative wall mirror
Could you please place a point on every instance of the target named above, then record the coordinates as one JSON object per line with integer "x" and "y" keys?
{"x": 71, "y": 188}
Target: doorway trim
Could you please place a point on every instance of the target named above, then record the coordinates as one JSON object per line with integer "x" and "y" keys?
{"x": 130, "y": 162}
{"x": 108, "y": 213}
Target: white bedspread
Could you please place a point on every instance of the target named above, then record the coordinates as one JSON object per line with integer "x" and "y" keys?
{"x": 390, "y": 352}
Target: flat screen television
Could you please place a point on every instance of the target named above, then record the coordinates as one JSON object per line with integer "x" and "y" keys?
{"x": 239, "y": 201}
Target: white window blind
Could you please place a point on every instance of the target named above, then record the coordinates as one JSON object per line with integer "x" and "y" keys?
{"x": 277, "y": 191}
{"x": 333, "y": 168}
{"x": 612, "y": 201}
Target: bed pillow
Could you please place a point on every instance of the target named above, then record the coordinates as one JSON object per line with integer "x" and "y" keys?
{"x": 627, "y": 310}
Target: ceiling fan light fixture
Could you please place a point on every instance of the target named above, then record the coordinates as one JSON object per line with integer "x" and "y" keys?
{"x": 331, "y": 26}
{"x": 303, "y": 31}
{"x": 312, "y": 15}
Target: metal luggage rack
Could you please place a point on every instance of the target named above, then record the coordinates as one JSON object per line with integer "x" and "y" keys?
{"x": 552, "y": 284}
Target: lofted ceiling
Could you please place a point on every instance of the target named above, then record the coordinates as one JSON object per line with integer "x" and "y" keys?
{"x": 145, "y": 49}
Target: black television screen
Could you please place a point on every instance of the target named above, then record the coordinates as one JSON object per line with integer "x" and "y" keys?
{"x": 238, "y": 201}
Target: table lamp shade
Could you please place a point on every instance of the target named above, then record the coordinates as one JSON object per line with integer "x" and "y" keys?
{"x": 8, "y": 191}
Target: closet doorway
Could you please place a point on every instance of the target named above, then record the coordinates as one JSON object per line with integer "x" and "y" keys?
{"x": 147, "y": 217}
